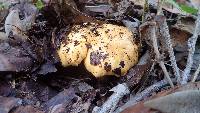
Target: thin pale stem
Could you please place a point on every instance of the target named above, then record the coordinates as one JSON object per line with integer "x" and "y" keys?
{"x": 161, "y": 63}
{"x": 191, "y": 46}
{"x": 196, "y": 74}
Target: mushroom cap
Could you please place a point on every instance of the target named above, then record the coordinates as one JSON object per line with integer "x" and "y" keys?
{"x": 73, "y": 48}
{"x": 106, "y": 49}
{"x": 114, "y": 53}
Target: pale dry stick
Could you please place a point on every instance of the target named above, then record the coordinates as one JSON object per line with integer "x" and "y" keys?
{"x": 196, "y": 74}
{"x": 164, "y": 30}
{"x": 153, "y": 37}
{"x": 110, "y": 105}
{"x": 144, "y": 94}
{"x": 191, "y": 46}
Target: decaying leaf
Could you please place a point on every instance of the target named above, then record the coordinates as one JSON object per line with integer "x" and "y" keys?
{"x": 12, "y": 58}
{"x": 27, "y": 109}
{"x": 8, "y": 103}
{"x": 3, "y": 14}
{"x": 27, "y": 12}
{"x": 13, "y": 24}
{"x": 140, "y": 108}
{"x": 74, "y": 99}
{"x": 135, "y": 74}
{"x": 179, "y": 39}
{"x": 3, "y": 37}
{"x": 5, "y": 89}
{"x": 178, "y": 102}
{"x": 185, "y": 23}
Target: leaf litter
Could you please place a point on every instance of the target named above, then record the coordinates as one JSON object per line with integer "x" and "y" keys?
{"x": 33, "y": 79}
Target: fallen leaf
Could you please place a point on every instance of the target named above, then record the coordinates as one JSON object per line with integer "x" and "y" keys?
{"x": 179, "y": 39}
{"x": 185, "y": 23}
{"x": 28, "y": 12}
{"x": 47, "y": 68}
{"x": 74, "y": 99}
{"x": 5, "y": 89}
{"x": 11, "y": 59}
{"x": 27, "y": 109}
{"x": 3, "y": 13}
{"x": 13, "y": 24}
{"x": 140, "y": 108}
{"x": 178, "y": 102}
{"x": 8, "y": 103}
{"x": 135, "y": 74}
{"x": 3, "y": 37}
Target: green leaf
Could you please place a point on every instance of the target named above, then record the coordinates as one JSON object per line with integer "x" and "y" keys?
{"x": 188, "y": 9}
{"x": 183, "y": 8}
{"x": 39, "y": 4}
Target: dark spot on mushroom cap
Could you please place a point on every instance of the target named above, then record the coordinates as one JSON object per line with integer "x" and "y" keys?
{"x": 88, "y": 45}
{"x": 67, "y": 50}
{"x": 121, "y": 33}
{"x": 96, "y": 57}
{"x": 107, "y": 30}
{"x": 122, "y": 64}
{"x": 117, "y": 71}
{"x": 107, "y": 66}
{"x": 76, "y": 43}
{"x": 84, "y": 36}
{"x": 94, "y": 30}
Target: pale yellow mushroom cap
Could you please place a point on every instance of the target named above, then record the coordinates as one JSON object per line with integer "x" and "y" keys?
{"x": 114, "y": 53}
{"x": 111, "y": 51}
{"x": 73, "y": 49}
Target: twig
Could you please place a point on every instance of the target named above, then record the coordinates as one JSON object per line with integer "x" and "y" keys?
{"x": 196, "y": 74}
{"x": 164, "y": 30}
{"x": 144, "y": 94}
{"x": 110, "y": 105}
{"x": 153, "y": 37}
{"x": 191, "y": 46}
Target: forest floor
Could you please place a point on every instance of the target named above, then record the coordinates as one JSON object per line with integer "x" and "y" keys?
{"x": 159, "y": 73}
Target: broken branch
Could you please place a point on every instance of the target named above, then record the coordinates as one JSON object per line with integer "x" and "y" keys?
{"x": 191, "y": 46}
{"x": 153, "y": 37}
{"x": 164, "y": 30}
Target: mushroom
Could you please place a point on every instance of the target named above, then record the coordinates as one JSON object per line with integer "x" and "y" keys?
{"x": 73, "y": 49}
{"x": 106, "y": 49}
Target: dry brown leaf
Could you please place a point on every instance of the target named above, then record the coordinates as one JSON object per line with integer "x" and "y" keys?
{"x": 27, "y": 109}
{"x": 179, "y": 102}
{"x": 12, "y": 58}
{"x": 3, "y": 14}
{"x": 75, "y": 99}
{"x": 140, "y": 108}
{"x": 179, "y": 39}
{"x": 135, "y": 74}
{"x": 8, "y": 103}
{"x": 185, "y": 23}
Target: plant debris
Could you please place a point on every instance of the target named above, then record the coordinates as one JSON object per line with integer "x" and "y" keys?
{"x": 55, "y": 56}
